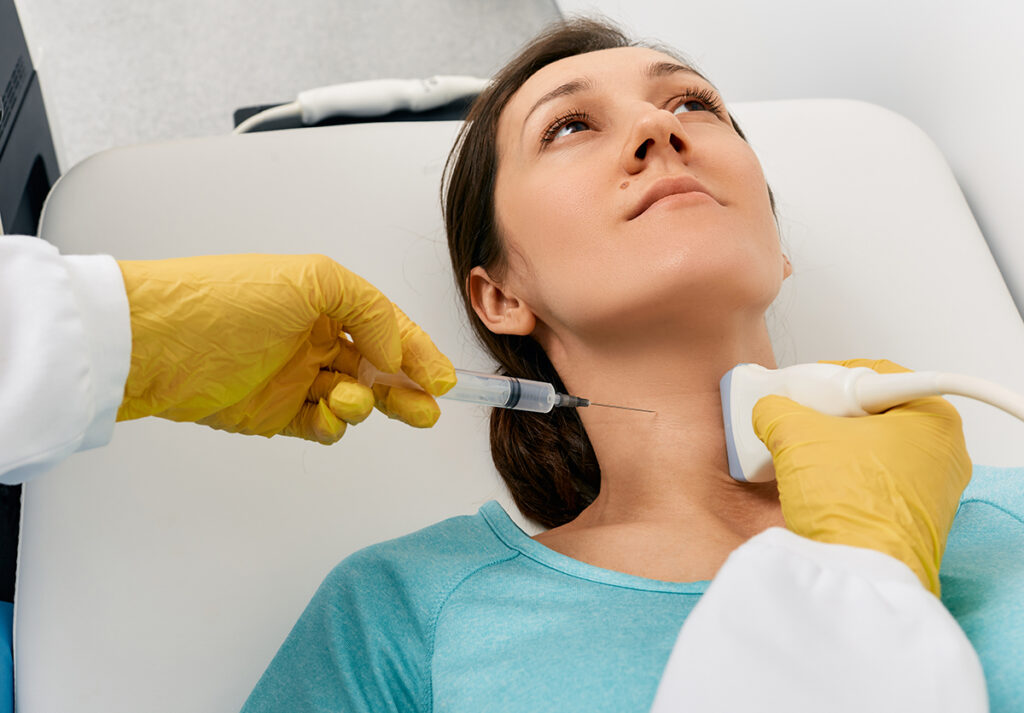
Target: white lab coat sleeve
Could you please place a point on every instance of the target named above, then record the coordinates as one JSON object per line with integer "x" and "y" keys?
{"x": 790, "y": 624}
{"x": 65, "y": 350}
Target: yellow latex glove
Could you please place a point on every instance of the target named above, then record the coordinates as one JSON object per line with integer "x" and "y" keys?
{"x": 889, "y": 482}
{"x": 256, "y": 344}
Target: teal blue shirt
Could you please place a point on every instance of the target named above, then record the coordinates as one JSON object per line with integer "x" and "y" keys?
{"x": 982, "y": 579}
{"x": 471, "y": 614}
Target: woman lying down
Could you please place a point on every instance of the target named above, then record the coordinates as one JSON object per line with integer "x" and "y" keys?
{"x": 591, "y": 155}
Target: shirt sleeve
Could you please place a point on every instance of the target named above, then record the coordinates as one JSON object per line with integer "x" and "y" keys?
{"x": 789, "y": 624}
{"x": 361, "y": 646}
{"x": 65, "y": 351}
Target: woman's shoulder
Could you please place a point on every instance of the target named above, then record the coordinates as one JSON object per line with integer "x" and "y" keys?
{"x": 1001, "y": 488}
{"x": 983, "y": 576}
{"x": 378, "y": 605}
{"x": 987, "y": 536}
{"x": 427, "y": 561}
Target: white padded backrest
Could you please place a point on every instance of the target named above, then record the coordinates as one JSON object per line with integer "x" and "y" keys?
{"x": 162, "y": 572}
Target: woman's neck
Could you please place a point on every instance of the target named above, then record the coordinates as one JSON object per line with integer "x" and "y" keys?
{"x": 666, "y": 474}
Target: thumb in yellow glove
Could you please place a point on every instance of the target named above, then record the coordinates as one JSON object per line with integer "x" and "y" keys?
{"x": 889, "y": 482}
{"x": 257, "y": 344}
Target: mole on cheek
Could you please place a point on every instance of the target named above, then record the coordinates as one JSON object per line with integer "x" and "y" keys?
{"x": 625, "y": 185}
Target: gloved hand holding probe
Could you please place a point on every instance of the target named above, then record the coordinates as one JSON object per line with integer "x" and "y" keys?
{"x": 257, "y": 344}
{"x": 889, "y": 482}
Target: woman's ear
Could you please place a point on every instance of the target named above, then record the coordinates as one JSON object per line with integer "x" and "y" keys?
{"x": 499, "y": 309}
{"x": 787, "y": 267}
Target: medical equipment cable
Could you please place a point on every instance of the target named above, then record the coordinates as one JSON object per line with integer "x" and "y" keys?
{"x": 274, "y": 113}
{"x": 375, "y": 97}
{"x": 490, "y": 390}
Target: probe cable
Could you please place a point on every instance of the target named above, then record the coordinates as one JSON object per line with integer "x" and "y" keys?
{"x": 371, "y": 98}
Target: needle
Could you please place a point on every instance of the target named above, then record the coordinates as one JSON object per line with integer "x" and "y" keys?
{"x": 625, "y": 408}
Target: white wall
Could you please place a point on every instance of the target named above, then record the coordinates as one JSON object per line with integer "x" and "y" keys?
{"x": 120, "y": 72}
{"x": 953, "y": 68}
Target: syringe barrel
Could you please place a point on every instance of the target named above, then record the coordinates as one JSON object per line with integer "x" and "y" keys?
{"x": 502, "y": 391}
{"x": 476, "y": 387}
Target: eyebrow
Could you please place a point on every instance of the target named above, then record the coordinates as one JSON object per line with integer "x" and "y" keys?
{"x": 574, "y": 87}
{"x": 653, "y": 71}
{"x": 665, "y": 69}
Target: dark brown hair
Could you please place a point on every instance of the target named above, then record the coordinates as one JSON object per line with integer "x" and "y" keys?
{"x": 546, "y": 460}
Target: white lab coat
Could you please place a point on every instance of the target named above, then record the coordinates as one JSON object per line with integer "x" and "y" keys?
{"x": 790, "y": 625}
{"x": 65, "y": 348}
{"x": 787, "y": 625}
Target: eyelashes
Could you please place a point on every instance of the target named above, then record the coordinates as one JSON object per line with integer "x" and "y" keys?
{"x": 570, "y": 117}
{"x": 703, "y": 95}
{"x": 708, "y": 97}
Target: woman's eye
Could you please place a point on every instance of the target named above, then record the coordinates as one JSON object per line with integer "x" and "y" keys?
{"x": 570, "y": 128}
{"x": 700, "y": 100}
{"x": 692, "y": 105}
{"x": 571, "y": 123}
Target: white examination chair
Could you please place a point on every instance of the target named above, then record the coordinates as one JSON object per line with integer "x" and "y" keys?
{"x": 162, "y": 572}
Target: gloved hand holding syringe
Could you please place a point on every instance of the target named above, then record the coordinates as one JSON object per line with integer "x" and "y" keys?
{"x": 489, "y": 390}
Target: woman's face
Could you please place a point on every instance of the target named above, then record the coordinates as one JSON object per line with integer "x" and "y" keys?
{"x": 625, "y": 199}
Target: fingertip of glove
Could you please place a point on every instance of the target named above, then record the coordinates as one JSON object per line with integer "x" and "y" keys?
{"x": 425, "y": 418}
{"x": 351, "y": 401}
{"x": 412, "y": 407}
{"x": 443, "y": 379}
{"x": 419, "y": 414}
{"x": 326, "y": 427}
{"x": 434, "y": 373}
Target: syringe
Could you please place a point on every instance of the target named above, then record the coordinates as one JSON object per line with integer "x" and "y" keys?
{"x": 489, "y": 390}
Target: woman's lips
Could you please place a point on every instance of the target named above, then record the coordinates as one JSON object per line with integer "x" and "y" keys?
{"x": 668, "y": 186}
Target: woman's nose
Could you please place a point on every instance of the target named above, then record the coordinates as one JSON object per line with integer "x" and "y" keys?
{"x": 656, "y": 134}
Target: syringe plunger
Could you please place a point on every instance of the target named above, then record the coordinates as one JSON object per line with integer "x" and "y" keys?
{"x": 485, "y": 389}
